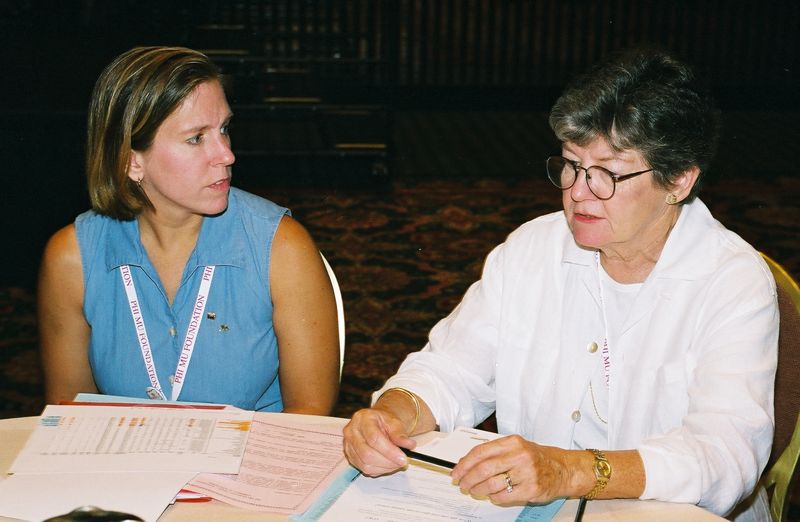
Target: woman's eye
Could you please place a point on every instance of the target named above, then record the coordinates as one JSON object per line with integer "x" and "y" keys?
{"x": 194, "y": 140}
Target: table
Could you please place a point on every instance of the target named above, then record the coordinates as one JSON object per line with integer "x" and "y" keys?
{"x": 14, "y": 433}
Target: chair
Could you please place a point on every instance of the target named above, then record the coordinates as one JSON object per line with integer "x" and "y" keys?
{"x": 782, "y": 470}
{"x": 339, "y": 310}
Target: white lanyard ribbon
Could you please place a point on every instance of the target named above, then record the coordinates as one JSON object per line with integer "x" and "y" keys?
{"x": 188, "y": 342}
{"x": 605, "y": 352}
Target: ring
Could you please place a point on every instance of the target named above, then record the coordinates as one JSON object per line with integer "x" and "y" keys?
{"x": 509, "y": 485}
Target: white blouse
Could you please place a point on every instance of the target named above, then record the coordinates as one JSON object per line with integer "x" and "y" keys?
{"x": 692, "y": 376}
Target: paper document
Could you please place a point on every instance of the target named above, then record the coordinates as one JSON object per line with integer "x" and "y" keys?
{"x": 100, "y": 399}
{"x": 39, "y": 496}
{"x": 115, "y": 438}
{"x": 425, "y": 492}
{"x": 286, "y": 466}
{"x": 416, "y": 494}
{"x": 449, "y": 447}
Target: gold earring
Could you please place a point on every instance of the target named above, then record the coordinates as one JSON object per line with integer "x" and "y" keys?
{"x": 671, "y": 199}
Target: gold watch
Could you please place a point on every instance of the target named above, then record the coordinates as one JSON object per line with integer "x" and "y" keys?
{"x": 602, "y": 473}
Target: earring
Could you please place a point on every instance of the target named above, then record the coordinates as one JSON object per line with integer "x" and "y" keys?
{"x": 671, "y": 199}
{"x": 139, "y": 182}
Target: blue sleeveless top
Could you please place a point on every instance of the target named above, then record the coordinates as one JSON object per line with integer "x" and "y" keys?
{"x": 235, "y": 359}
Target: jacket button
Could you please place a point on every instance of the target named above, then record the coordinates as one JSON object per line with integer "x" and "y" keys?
{"x": 172, "y": 331}
{"x": 592, "y": 347}
{"x": 576, "y": 416}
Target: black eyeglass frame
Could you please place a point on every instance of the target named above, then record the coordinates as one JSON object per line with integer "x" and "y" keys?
{"x": 616, "y": 178}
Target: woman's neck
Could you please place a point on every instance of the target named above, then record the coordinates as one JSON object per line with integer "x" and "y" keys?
{"x": 168, "y": 244}
{"x": 167, "y": 233}
{"x": 633, "y": 265}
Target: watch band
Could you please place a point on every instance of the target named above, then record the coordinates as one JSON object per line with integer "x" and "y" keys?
{"x": 602, "y": 473}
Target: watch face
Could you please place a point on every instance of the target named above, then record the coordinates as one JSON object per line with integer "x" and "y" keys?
{"x": 603, "y": 468}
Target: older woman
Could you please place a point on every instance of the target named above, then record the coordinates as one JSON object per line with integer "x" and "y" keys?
{"x": 175, "y": 285}
{"x": 627, "y": 344}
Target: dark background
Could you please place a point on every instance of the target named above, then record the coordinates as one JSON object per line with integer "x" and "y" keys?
{"x": 403, "y": 56}
{"x": 443, "y": 105}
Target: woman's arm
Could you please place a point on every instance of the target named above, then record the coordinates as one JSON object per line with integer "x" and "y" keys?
{"x": 305, "y": 320}
{"x": 542, "y": 473}
{"x": 63, "y": 331}
{"x": 374, "y": 436}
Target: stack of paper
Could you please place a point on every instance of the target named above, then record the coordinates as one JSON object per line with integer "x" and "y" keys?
{"x": 123, "y": 458}
{"x": 286, "y": 467}
{"x": 135, "y": 458}
{"x": 424, "y": 492}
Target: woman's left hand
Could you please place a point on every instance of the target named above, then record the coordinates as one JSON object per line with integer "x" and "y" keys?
{"x": 512, "y": 470}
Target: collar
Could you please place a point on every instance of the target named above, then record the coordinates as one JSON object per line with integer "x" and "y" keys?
{"x": 219, "y": 243}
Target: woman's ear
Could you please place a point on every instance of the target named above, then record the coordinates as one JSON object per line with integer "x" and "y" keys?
{"x": 135, "y": 168}
{"x": 682, "y": 185}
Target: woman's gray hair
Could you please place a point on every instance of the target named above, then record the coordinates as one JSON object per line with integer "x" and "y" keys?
{"x": 647, "y": 101}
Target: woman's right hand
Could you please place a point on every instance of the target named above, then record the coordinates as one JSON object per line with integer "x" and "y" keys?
{"x": 372, "y": 442}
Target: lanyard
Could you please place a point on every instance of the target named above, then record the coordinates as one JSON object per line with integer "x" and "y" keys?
{"x": 606, "y": 353}
{"x": 188, "y": 342}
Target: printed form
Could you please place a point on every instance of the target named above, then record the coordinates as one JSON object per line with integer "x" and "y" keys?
{"x": 417, "y": 494}
{"x": 132, "y": 459}
{"x": 286, "y": 466}
{"x": 424, "y": 492}
{"x": 115, "y": 438}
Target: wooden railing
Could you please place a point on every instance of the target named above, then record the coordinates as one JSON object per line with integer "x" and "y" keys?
{"x": 402, "y": 45}
{"x": 543, "y": 42}
{"x": 439, "y": 44}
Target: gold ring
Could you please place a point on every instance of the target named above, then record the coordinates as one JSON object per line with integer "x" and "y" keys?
{"x": 509, "y": 485}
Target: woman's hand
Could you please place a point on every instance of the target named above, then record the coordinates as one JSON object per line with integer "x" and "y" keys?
{"x": 512, "y": 470}
{"x": 372, "y": 442}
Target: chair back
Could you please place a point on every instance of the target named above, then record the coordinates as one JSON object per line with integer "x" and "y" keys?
{"x": 339, "y": 311}
{"x": 782, "y": 467}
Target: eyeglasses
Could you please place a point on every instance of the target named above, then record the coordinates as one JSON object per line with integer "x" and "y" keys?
{"x": 602, "y": 182}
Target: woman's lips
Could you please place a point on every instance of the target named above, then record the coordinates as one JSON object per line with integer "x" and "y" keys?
{"x": 586, "y": 218}
{"x": 221, "y": 184}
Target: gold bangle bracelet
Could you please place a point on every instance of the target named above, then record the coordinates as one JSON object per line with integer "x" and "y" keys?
{"x": 416, "y": 405}
{"x": 602, "y": 473}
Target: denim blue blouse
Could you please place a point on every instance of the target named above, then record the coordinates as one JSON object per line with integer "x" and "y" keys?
{"x": 235, "y": 359}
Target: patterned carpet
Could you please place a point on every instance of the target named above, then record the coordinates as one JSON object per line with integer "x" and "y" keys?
{"x": 405, "y": 252}
{"x": 404, "y": 256}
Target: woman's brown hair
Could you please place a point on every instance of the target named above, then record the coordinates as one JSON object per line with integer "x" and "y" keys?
{"x": 131, "y": 98}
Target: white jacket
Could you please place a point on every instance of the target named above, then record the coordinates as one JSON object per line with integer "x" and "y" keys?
{"x": 692, "y": 373}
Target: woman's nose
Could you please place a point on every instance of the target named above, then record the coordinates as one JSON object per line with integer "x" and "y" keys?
{"x": 580, "y": 189}
{"x": 225, "y": 154}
